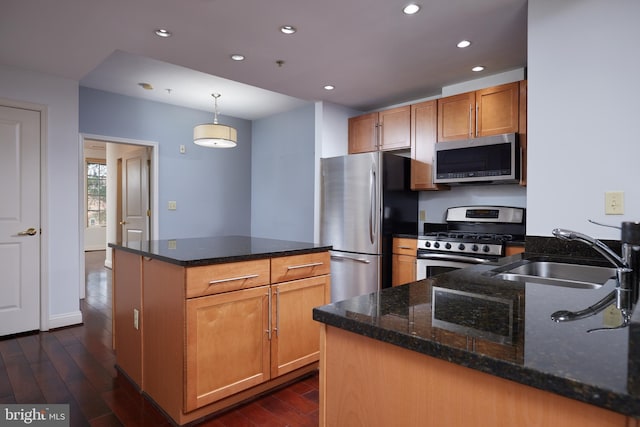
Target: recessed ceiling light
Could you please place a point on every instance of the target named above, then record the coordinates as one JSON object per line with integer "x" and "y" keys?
{"x": 162, "y": 32}
{"x": 477, "y": 68}
{"x": 237, "y": 57}
{"x": 464, "y": 43}
{"x": 146, "y": 86}
{"x": 288, "y": 29}
{"x": 411, "y": 9}
{"x": 329, "y": 87}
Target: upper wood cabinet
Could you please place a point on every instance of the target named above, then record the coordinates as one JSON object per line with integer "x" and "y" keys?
{"x": 456, "y": 117}
{"x": 424, "y": 133}
{"x": 382, "y": 130}
{"x": 363, "y": 133}
{"x": 491, "y": 111}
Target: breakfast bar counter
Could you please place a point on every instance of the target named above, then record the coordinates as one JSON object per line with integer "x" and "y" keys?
{"x": 465, "y": 346}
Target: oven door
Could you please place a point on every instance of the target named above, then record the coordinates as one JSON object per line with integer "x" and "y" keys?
{"x": 430, "y": 264}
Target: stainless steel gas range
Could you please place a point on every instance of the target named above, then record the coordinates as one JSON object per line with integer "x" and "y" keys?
{"x": 472, "y": 235}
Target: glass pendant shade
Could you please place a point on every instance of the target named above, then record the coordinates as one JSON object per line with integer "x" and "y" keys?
{"x": 213, "y": 134}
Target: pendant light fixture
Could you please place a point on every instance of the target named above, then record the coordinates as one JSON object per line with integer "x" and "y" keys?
{"x": 214, "y": 134}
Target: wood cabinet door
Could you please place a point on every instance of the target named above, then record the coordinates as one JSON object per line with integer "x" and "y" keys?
{"x": 424, "y": 134}
{"x": 363, "y": 134}
{"x": 227, "y": 344}
{"x": 296, "y": 336}
{"x": 497, "y": 109}
{"x": 395, "y": 128}
{"x": 456, "y": 117}
{"x": 403, "y": 269}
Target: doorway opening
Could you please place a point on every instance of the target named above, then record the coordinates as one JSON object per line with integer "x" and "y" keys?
{"x": 126, "y": 208}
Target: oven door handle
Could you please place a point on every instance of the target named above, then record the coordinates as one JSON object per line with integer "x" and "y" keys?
{"x": 452, "y": 257}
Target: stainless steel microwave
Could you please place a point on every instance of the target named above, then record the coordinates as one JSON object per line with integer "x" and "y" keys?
{"x": 491, "y": 160}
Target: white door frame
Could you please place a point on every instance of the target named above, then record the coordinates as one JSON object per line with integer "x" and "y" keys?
{"x": 44, "y": 218}
{"x": 154, "y": 202}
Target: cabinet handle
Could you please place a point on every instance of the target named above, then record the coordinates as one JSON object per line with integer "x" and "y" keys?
{"x": 405, "y": 247}
{"x": 313, "y": 264}
{"x": 277, "y": 312}
{"x": 268, "y": 331}
{"x": 477, "y": 109}
{"x": 231, "y": 279}
{"x": 470, "y": 121}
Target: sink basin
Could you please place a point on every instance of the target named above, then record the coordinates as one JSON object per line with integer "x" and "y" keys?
{"x": 558, "y": 274}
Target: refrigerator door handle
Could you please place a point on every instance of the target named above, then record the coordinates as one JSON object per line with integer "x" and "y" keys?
{"x": 373, "y": 200}
{"x": 362, "y": 260}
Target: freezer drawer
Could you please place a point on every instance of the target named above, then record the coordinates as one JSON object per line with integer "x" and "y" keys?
{"x": 353, "y": 274}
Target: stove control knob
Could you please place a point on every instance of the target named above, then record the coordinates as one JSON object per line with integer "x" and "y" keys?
{"x": 436, "y": 245}
{"x": 427, "y": 244}
{"x": 474, "y": 248}
{"x": 448, "y": 246}
{"x": 486, "y": 248}
{"x": 461, "y": 247}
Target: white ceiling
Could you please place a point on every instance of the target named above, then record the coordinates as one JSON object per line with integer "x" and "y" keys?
{"x": 374, "y": 54}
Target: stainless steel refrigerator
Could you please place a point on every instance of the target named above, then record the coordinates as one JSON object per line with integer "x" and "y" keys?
{"x": 365, "y": 199}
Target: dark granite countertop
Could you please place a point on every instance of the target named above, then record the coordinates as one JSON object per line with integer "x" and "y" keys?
{"x": 220, "y": 249}
{"x": 513, "y": 318}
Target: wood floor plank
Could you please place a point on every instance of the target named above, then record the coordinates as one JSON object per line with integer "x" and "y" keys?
{"x": 23, "y": 383}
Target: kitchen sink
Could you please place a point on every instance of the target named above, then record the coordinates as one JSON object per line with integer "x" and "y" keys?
{"x": 556, "y": 273}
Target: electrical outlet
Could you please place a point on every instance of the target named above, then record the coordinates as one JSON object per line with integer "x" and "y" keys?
{"x": 423, "y": 215}
{"x": 136, "y": 318}
{"x": 172, "y": 205}
{"x": 614, "y": 203}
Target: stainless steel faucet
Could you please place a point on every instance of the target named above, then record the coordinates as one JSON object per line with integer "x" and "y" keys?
{"x": 627, "y": 272}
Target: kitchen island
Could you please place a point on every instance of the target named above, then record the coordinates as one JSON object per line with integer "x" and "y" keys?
{"x": 465, "y": 348}
{"x": 202, "y": 324}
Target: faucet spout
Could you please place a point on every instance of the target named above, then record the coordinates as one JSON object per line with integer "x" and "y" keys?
{"x": 625, "y": 294}
{"x": 596, "y": 244}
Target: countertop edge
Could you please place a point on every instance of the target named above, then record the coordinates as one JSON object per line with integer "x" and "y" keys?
{"x": 223, "y": 259}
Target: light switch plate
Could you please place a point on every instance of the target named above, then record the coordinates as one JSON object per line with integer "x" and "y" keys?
{"x": 614, "y": 203}
{"x": 172, "y": 205}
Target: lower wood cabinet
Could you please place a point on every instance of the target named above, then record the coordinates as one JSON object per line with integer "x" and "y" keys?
{"x": 403, "y": 261}
{"x": 210, "y": 337}
{"x": 227, "y": 344}
{"x": 294, "y": 334}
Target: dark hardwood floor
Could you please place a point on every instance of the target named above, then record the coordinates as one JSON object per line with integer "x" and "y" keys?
{"x": 75, "y": 365}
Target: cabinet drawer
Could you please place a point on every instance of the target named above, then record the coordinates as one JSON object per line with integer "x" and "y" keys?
{"x": 218, "y": 278}
{"x": 299, "y": 266}
{"x": 405, "y": 246}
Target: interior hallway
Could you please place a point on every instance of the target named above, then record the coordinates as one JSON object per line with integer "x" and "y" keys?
{"x": 75, "y": 365}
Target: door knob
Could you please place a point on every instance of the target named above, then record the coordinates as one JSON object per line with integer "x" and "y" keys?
{"x": 123, "y": 222}
{"x": 28, "y": 232}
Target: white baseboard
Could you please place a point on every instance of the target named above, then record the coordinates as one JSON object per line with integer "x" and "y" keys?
{"x": 66, "y": 319}
{"x": 108, "y": 263}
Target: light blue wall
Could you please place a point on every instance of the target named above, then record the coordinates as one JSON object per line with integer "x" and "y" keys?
{"x": 212, "y": 187}
{"x": 283, "y": 175}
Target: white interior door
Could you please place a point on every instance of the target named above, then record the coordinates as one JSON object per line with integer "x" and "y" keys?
{"x": 19, "y": 220}
{"x": 135, "y": 195}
